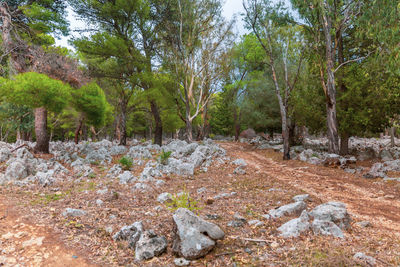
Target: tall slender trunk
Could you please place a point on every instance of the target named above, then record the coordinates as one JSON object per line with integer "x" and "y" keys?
{"x": 392, "y": 131}
{"x": 6, "y": 29}
{"x": 122, "y": 140}
{"x": 333, "y": 137}
{"x": 42, "y": 138}
{"x": 158, "y": 131}
{"x": 189, "y": 131}
{"x": 78, "y": 129}
{"x": 344, "y": 144}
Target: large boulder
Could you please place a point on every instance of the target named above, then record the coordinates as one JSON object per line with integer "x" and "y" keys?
{"x": 295, "y": 227}
{"x": 194, "y": 237}
{"x": 323, "y": 227}
{"x": 5, "y": 154}
{"x": 99, "y": 156}
{"x": 150, "y": 245}
{"x": 335, "y": 212}
{"x": 16, "y": 170}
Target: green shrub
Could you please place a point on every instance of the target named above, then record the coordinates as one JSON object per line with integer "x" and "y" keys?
{"x": 182, "y": 200}
{"x": 126, "y": 162}
{"x": 164, "y": 156}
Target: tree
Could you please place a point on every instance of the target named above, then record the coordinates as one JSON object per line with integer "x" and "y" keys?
{"x": 195, "y": 36}
{"x": 281, "y": 43}
{"x": 90, "y": 101}
{"x": 124, "y": 49}
{"x": 41, "y": 93}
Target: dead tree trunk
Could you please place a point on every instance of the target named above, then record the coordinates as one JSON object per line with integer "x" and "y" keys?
{"x": 78, "y": 130}
{"x": 42, "y": 138}
{"x": 122, "y": 139}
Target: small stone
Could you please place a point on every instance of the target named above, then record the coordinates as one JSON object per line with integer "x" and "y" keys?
{"x": 150, "y": 245}
{"x": 109, "y": 229}
{"x": 256, "y": 223}
{"x": 164, "y": 197}
{"x": 239, "y": 217}
{"x": 235, "y": 223}
{"x": 364, "y": 224}
{"x": 209, "y": 201}
{"x": 131, "y": 233}
{"x": 181, "y": 262}
{"x": 295, "y": 227}
{"x": 289, "y": 209}
{"x": 359, "y": 256}
{"x": 73, "y": 212}
{"x": 213, "y": 217}
{"x": 201, "y": 190}
{"x": 99, "y": 202}
{"x": 248, "y": 251}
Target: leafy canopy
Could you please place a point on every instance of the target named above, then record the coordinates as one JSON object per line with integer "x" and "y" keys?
{"x": 36, "y": 90}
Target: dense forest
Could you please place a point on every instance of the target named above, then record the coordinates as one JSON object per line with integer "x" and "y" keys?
{"x": 149, "y": 69}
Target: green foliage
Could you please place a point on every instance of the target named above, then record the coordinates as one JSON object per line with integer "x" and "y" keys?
{"x": 91, "y": 100}
{"x": 126, "y": 162}
{"x": 164, "y": 156}
{"x": 36, "y": 90}
{"x": 182, "y": 200}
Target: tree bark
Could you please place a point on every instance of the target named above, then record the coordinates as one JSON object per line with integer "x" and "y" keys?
{"x": 333, "y": 137}
{"x": 42, "y": 138}
{"x": 344, "y": 144}
{"x": 392, "y": 131}
{"x": 158, "y": 131}
{"x": 189, "y": 131}
{"x": 78, "y": 129}
{"x": 122, "y": 140}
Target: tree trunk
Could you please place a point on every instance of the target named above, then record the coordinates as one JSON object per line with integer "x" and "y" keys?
{"x": 392, "y": 131}
{"x": 236, "y": 120}
{"x": 42, "y": 138}
{"x": 122, "y": 140}
{"x": 157, "y": 118}
{"x": 333, "y": 137}
{"x": 78, "y": 129}
{"x": 189, "y": 131}
{"x": 344, "y": 144}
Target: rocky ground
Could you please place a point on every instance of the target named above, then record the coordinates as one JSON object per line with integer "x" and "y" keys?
{"x": 70, "y": 208}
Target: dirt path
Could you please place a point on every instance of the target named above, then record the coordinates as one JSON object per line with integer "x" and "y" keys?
{"x": 28, "y": 244}
{"x": 365, "y": 199}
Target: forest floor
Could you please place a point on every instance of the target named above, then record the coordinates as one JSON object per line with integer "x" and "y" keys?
{"x": 34, "y": 233}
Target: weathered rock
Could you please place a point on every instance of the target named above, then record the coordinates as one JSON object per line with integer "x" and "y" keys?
{"x": 194, "y": 237}
{"x": 5, "y": 154}
{"x": 301, "y": 197}
{"x": 295, "y": 227}
{"x": 364, "y": 224}
{"x": 150, "y": 245}
{"x": 181, "y": 262}
{"x": 73, "y": 212}
{"x": 118, "y": 150}
{"x": 131, "y": 233}
{"x": 16, "y": 170}
{"x": 163, "y": 197}
{"x": 102, "y": 155}
{"x": 385, "y": 155}
{"x": 126, "y": 177}
{"x": 335, "y": 212}
{"x": 320, "y": 227}
{"x": 239, "y": 162}
{"x": 142, "y": 187}
{"x": 362, "y": 258}
{"x": 289, "y": 209}
{"x": 239, "y": 170}
{"x": 376, "y": 171}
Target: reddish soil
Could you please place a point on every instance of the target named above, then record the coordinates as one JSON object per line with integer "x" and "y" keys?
{"x": 268, "y": 183}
